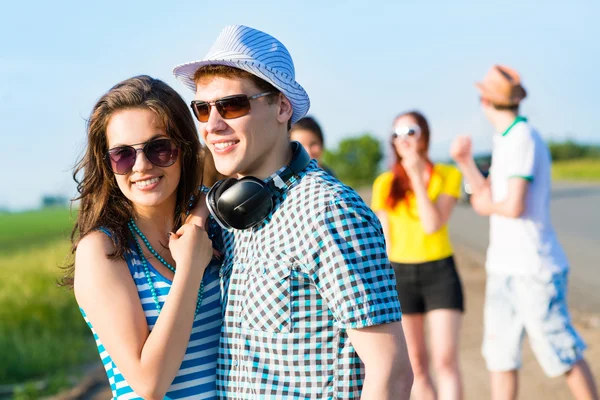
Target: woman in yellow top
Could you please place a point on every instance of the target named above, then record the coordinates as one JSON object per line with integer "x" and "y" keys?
{"x": 414, "y": 202}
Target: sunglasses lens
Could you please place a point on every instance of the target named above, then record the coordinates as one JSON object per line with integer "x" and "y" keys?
{"x": 122, "y": 159}
{"x": 161, "y": 152}
{"x": 406, "y": 132}
{"x": 228, "y": 108}
{"x": 234, "y": 107}
{"x": 201, "y": 111}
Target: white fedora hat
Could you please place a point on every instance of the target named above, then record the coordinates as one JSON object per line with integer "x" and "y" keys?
{"x": 255, "y": 52}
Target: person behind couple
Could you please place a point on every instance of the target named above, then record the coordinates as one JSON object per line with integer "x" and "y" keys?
{"x": 309, "y": 134}
{"x": 527, "y": 269}
{"x": 414, "y": 202}
{"x": 152, "y": 303}
{"x": 309, "y": 292}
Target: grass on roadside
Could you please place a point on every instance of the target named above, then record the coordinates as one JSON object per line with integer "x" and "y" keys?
{"x": 577, "y": 170}
{"x": 42, "y": 332}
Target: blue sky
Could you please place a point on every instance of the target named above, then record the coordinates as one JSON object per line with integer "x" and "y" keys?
{"x": 361, "y": 63}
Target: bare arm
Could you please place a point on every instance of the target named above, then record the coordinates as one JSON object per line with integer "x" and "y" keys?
{"x": 473, "y": 175}
{"x": 461, "y": 151}
{"x": 433, "y": 216}
{"x": 106, "y": 292}
{"x": 512, "y": 206}
{"x": 382, "y": 349}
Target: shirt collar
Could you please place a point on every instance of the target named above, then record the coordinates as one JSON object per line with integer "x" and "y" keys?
{"x": 280, "y": 188}
{"x": 516, "y": 121}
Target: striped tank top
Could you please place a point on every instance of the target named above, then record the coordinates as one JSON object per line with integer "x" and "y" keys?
{"x": 196, "y": 378}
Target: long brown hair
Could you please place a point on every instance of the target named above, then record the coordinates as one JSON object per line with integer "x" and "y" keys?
{"x": 102, "y": 204}
{"x": 401, "y": 182}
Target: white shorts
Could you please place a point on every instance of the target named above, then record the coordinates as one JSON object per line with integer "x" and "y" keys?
{"x": 515, "y": 305}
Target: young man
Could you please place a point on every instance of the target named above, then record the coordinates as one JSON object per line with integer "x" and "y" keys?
{"x": 308, "y": 133}
{"x": 526, "y": 267}
{"x": 311, "y": 309}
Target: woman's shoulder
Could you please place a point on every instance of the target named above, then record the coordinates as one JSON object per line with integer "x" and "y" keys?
{"x": 92, "y": 255}
{"x": 95, "y": 242}
{"x": 93, "y": 265}
{"x": 385, "y": 177}
{"x": 382, "y": 184}
{"x": 446, "y": 170}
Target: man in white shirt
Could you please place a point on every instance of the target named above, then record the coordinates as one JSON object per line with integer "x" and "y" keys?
{"x": 526, "y": 266}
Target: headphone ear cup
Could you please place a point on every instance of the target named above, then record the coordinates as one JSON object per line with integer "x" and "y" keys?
{"x": 245, "y": 203}
{"x": 212, "y": 199}
{"x": 223, "y": 186}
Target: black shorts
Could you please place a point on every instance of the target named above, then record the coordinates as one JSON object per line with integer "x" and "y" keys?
{"x": 428, "y": 286}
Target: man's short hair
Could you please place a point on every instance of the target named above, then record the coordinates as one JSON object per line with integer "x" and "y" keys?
{"x": 502, "y": 107}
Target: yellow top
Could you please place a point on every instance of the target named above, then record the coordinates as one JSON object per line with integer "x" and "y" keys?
{"x": 408, "y": 241}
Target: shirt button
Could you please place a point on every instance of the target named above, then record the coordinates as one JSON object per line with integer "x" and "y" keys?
{"x": 235, "y": 362}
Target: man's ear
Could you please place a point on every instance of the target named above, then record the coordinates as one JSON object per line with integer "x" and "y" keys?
{"x": 285, "y": 109}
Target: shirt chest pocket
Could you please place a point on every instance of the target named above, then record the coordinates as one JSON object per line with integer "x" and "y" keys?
{"x": 267, "y": 304}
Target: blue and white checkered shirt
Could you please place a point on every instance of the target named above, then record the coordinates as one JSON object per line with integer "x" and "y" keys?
{"x": 291, "y": 288}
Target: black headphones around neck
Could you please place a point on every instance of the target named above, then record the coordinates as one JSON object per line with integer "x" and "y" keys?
{"x": 246, "y": 202}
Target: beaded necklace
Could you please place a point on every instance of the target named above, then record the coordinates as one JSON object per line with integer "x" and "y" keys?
{"x": 136, "y": 231}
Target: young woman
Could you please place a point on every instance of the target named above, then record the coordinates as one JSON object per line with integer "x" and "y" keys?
{"x": 143, "y": 279}
{"x": 414, "y": 202}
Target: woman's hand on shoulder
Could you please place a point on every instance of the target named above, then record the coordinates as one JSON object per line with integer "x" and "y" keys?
{"x": 190, "y": 246}
{"x": 199, "y": 213}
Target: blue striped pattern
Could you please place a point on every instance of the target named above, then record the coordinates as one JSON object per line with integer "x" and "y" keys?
{"x": 196, "y": 377}
{"x": 294, "y": 285}
{"x": 255, "y": 52}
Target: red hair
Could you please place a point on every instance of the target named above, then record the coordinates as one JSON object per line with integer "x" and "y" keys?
{"x": 401, "y": 182}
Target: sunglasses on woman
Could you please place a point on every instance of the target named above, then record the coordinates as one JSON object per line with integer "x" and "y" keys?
{"x": 161, "y": 152}
{"x": 405, "y": 132}
{"x": 228, "y": 107}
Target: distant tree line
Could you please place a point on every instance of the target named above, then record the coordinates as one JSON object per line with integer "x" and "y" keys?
{"x": 55, "y": 201}
{"x": 570, "y": 150}
{"x": 356, "y": 160}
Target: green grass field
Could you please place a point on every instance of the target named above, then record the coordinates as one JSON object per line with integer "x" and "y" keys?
{"x": 42, "y": 332}
{"x": 577, "y": 170}
{"x": 32, "y": 229}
